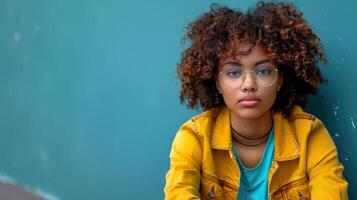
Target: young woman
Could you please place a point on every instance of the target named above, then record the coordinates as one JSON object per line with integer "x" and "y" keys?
{"x": 251, "y": 73}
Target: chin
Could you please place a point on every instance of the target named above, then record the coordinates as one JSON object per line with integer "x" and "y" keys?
{"x": 251, "y": 113}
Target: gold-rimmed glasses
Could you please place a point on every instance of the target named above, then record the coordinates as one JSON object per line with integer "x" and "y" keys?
{"x": 264, "y": 76}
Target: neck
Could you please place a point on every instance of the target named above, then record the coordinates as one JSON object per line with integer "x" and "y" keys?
{"x": 252, "y": 127}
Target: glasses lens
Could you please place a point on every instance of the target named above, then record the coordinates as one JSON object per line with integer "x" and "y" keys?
{"x": 266, "y": 76}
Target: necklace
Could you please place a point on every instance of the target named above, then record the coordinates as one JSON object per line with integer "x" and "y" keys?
{"x": 250, "y": 138}
{"x": 251, "y": 145}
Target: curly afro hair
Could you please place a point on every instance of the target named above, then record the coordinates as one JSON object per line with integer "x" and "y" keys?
{"x": 279, "y": 28}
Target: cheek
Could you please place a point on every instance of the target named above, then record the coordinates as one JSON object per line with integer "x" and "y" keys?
{"x": 229, "y": 95}
{"x": 270, "y": 95}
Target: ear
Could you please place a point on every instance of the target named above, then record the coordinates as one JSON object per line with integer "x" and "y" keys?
{"x": 218, "y": 85}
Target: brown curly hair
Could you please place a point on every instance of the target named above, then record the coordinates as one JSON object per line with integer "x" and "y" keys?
{"x": 279, "y": 28}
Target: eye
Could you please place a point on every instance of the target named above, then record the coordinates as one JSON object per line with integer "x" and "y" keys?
{"x": 234, "y": 73}
{"x": 263, "y": 71}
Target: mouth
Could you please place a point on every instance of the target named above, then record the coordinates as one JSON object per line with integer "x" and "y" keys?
{"x": 249, "y": 101}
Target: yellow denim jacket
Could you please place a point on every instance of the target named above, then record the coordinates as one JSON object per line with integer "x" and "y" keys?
{"x": 305, "y": 164}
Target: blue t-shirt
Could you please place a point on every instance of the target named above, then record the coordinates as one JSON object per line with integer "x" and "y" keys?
{"x": 254, "y": 181}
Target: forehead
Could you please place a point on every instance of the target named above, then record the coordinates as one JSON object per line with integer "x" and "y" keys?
{"x": 245, "y": 54}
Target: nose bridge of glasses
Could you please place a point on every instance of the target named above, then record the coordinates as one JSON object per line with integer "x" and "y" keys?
{"x": 251, "y": 82}
{"x": 252, "y": 72}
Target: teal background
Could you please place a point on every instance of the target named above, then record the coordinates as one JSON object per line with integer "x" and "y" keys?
{"x": 89, "y": 93}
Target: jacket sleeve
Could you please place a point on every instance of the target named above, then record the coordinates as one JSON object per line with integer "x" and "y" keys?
{"x": 324, "y": 169}
{"x": 183, "y": 177}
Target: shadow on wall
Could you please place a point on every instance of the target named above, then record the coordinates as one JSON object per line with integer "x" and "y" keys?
{"x": 10, "y": 191}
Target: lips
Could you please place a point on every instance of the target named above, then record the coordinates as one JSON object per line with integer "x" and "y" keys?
{"x": 249, "y": 101}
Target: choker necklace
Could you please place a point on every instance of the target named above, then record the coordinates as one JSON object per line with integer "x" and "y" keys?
{"x": 252, "y": 145}
{"x": 249, "y": 138}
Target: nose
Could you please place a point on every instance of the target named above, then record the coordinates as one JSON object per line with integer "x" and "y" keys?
{"x": 248, "y": 83}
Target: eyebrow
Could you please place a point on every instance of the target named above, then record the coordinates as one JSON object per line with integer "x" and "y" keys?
{"x": 235, "y": 62}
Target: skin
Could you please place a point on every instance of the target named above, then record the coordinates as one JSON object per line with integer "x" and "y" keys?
{"x": 253, "y": 121}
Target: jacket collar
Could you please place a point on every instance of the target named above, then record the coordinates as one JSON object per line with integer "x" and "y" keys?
{"x": 285, "y": 143}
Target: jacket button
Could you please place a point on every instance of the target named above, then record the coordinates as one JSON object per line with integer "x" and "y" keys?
{"x": 211, "y": 194}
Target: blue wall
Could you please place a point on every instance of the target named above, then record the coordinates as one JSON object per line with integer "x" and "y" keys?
{"x": 89, "y": 94}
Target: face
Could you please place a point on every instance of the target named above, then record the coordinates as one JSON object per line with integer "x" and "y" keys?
{"x": 247, "y": 83}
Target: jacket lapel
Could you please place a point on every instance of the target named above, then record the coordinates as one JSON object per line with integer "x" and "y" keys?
{"x": 221, "y": 135}
{"x": 285, "y": 144}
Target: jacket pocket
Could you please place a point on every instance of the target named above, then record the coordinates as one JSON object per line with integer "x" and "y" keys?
{"x": 210, "y": 189}
{"x": 296, "y": 190}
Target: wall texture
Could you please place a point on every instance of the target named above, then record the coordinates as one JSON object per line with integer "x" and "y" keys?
{"x": 89, "y": 95}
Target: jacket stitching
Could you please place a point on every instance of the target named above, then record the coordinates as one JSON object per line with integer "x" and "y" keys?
{"x": 301, "y": 116}
{"x": 220, "y": 182}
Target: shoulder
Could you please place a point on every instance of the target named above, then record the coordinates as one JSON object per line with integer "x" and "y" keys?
{"x": 299, "y": 114}
{"x": 301, "y": 118}
{"x": 302, "y": 125}
{"x": 189, "y": 138}
{"x": 194, "y": 130}
{"x": 201, "y": 121}
{"x": 308, "y": 128}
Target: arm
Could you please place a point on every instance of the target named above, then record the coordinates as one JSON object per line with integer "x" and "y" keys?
{"x": 324, "y": 169}
{"x": 183, "y": 177}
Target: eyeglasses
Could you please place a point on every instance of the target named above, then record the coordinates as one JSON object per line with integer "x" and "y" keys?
{"x": 263, "y": 75}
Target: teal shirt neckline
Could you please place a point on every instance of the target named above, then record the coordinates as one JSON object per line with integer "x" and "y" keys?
{"x": 254, "y": 181}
